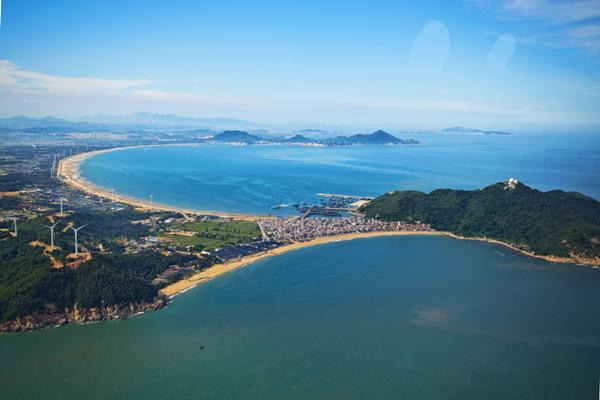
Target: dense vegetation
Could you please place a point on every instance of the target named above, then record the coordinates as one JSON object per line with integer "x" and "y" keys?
{"x": 29, "y": 284}
{"x": 547, "y": 223}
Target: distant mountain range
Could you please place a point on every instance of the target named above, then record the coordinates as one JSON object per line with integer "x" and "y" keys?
{"x": 170, "y": 120}
{"x": 151, "y": 121}
{"x": 460, "y": 129}
{"x": 378, "y": 137}
{"x": 46, "y": 123}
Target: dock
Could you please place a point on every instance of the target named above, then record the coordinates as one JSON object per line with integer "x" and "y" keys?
{"x": 345, "y": 196}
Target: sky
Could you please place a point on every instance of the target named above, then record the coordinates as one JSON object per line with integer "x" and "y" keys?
{"x": 506, "y": 64}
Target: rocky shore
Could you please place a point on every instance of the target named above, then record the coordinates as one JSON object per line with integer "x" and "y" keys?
{"x": 55, "y": 317}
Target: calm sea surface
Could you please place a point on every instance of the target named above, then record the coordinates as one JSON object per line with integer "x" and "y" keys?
{"x": 383, "y": 318}
{"x": 252, "y": 179}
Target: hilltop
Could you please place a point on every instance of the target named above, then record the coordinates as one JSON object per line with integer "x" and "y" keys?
{"x": 377, "y": 137}
{"x": 298, "y": 139}
{"x": 236, "y": 137}
{"x": 554, "y": 223}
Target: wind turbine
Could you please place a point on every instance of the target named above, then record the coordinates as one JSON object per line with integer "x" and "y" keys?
{"x": 61, "y": 206}
{"x": 112, "y": 194}
{"x": 151, "y": 201}
{"x": 51, "y": 227}
{"x": 75, "y": 230}
{"x": 14, "y": 225}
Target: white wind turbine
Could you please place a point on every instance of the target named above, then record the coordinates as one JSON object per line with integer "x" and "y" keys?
{"x": 14, "y": 225}
{"x": 51, "y": 227}
{"x": 76, "y": 230}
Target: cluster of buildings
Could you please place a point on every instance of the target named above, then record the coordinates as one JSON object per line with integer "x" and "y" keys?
{"x": 293, "y": 229}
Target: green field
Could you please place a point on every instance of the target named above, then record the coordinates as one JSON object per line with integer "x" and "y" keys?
{"x": 215, "y": 234}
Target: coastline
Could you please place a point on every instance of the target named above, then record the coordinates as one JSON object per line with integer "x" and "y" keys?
{"x": 69, "y": 173}
{"x": 583, "y": 262}
{"x": 223, "y": 268}
{"x": 217, "y": 270}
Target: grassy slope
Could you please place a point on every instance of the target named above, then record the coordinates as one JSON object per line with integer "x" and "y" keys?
{"x": 216, "y": 234}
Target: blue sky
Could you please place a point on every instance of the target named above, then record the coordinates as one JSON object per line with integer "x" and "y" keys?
{"x": 508, "y": 64}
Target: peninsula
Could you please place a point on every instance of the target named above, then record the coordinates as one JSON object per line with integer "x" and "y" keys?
{"x": 555, "y": 225}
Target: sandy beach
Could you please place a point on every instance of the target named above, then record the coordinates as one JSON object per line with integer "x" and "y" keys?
{"x": 68, "y": 172}
{"x": 220, "y": 269}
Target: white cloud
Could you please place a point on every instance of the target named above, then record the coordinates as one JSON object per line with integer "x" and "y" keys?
{"x": 592, "y": 30}
{"x": 178, "y": 97}
{"x": 24, "y": 81}
{"x": 552, "y": 11}
{"x": 20, "y": 82}
{"x": 564, "y": 24}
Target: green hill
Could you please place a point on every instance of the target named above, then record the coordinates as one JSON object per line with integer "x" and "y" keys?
{"x": 236, "y": 137}
{"x": 554, "y": 223}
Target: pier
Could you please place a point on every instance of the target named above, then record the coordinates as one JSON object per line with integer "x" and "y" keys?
{"x": 344, "y": 196}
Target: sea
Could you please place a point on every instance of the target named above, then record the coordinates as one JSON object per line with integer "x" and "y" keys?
{"x": 408, "y": 317}
{"x": 255, "y": 179}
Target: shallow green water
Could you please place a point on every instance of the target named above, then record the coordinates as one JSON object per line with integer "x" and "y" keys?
{"x": 395, "y": 317}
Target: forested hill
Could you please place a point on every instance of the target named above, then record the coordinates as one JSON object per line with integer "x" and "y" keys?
{"x": 554, "y": 223}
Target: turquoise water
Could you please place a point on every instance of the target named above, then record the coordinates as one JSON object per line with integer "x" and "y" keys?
{"x": 382, "y": 318}
{"x": 252, "y": 179}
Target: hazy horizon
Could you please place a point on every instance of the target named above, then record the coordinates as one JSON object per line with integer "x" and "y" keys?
{"x": 502, "y": 65}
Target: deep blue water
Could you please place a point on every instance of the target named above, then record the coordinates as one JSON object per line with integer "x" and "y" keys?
{"x": 384, "y": 318}
{"x": 252, "y": 179}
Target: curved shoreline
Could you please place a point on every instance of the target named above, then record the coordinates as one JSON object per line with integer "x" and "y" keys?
{"x": 220, "y": 269}
{"x": 69, "y": 173}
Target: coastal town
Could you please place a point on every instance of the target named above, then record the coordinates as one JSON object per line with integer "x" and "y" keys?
{"x": 300, "y": 229}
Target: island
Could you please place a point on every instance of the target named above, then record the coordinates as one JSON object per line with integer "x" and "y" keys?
{"x": 378, "y": 137}
{"x": 473, "y": 131}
